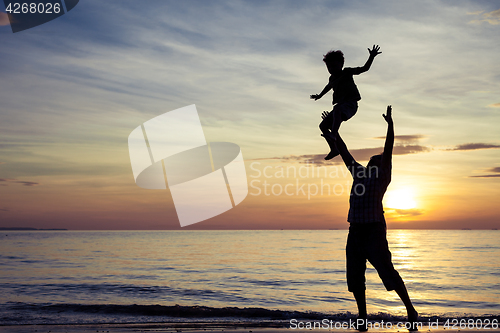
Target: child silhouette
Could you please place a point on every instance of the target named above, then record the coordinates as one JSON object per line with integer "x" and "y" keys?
{"x": 345, "y": 94}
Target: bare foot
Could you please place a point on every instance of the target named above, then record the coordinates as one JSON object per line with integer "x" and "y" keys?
{"x": 332, "y": 154}
{"x": 362, "y": 323}
{"x": 330, "y": 138}
{"x": 413, "y": 319}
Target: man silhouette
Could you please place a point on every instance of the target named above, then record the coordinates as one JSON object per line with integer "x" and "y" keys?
{"x": 367, "y": 238}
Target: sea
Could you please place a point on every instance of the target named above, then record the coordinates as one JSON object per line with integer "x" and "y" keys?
{"x": 81, "y": 277}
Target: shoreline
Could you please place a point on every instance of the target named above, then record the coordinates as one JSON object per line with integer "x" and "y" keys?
{"x": 256, "y": 319}
{"x": 203, "y": 327}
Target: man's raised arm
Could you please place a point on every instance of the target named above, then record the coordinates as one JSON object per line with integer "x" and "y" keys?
{"x": 349, "y": 161}
{"x": 389, "y": 138}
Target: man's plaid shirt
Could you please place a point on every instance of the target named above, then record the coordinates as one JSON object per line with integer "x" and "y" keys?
{"x": 367, "y": 192}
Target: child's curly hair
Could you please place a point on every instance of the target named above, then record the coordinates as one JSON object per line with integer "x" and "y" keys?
{"x": 334, "y": 56}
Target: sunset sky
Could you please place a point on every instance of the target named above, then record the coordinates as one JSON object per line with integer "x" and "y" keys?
{"x": 73, "y": 89}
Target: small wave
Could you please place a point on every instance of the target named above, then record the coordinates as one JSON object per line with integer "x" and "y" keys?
{"x": 168, "y": 311}
{"x": 102, "y": 313}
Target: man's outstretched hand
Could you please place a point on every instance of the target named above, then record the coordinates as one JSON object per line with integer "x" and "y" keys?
{"x": 388, "y": 115}
{"x": 374, "y": 51}
{"x": 315, "y": 97}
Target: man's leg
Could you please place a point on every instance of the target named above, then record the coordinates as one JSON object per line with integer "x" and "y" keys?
{"x": 360, "y": 297}
{"x": 410, "y": 310}
{"x": 356, "y": 267}
{"x": 381, "y": 259}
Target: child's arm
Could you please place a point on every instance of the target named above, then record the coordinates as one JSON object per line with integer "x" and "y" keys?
{"x": 322, "y": 93}
{"x": 373, "y": 53}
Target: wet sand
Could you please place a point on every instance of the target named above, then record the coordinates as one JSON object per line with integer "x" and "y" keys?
{"x": 204, "y": 328}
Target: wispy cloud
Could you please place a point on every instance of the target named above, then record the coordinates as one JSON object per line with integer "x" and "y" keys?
{"x": 23, "y": 182}
{"x": 26, "y": 183}
{"x": 489, "y": 17}
{"x": 495, "y": 170}
{"x": 410, "y": 149}
{"x": 409, "y": 212}
{"x": 317, "y": 159}
{"x": 362, "y": 154}
{"x": 494, "y": 105}
{"x": 474, "y": 146}
{"x": 405, "y": 139}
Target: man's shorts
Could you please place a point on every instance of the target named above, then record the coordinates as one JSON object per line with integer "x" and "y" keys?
{"x": 368, "y": 241}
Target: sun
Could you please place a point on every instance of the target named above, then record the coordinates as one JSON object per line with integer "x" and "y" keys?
{"x": 400, "y": 199}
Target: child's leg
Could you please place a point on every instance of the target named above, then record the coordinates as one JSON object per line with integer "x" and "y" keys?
{"x": 325, "y": 127}
{"x": 333, "y": 123}
{"x": 333, "y": 147}
{"x": 337, "y": 120}
{"x": 342, "y": 112}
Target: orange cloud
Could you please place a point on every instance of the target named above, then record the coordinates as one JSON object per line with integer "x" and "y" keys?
{"x": 494, "y": 105}
{"x": 491, "y": 17}
{"x": 495, "y": 170}
{"x": 405, "y": 139}
{"x": 25, "y": 183}
{"x": 409, "y": 212}
{"x": 362, "y": 154}
{"x": 475, "y": 146}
